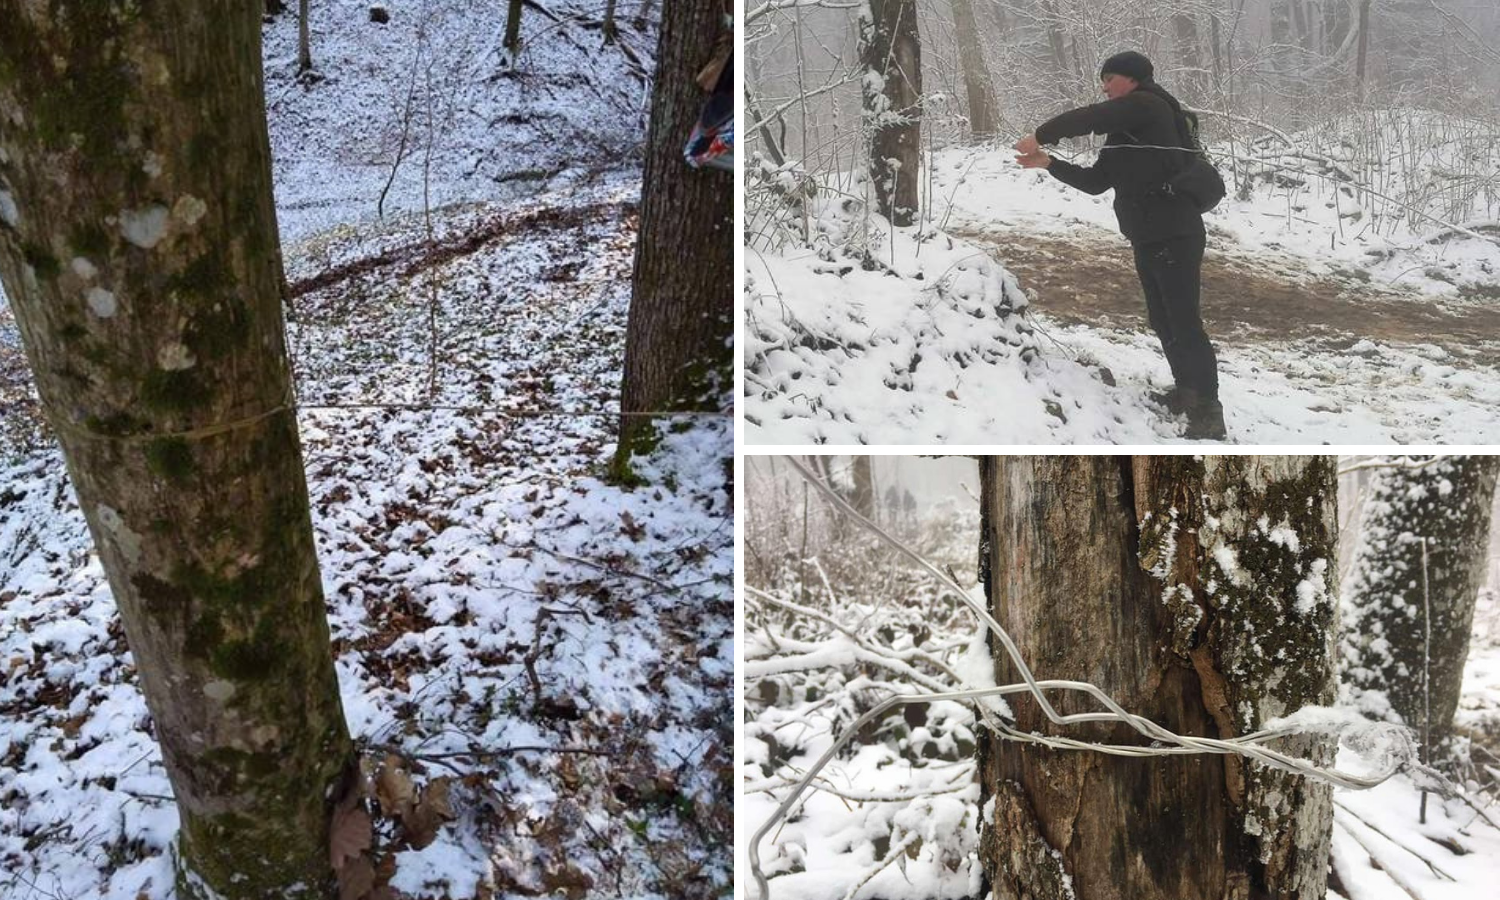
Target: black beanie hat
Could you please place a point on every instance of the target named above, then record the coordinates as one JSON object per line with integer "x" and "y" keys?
{"x": 1130, "y": 64}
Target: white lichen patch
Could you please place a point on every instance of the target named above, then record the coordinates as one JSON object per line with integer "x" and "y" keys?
{"x": 83, "y": 268}
{"x": 152, "y": 164}
{"x": 126, "y": 542}
{"x": 219, "y": 691}
{"x": 189, "y": 209}
{"x": 175, "y": 357}
{"x": 9, "y": 214}
{"x": 144, "y": 227}
{"x": 102, "y": 303}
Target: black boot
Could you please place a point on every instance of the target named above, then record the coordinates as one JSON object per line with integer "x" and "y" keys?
{"x": 1205, "y": 420}
{"x": 1173, "y": 400}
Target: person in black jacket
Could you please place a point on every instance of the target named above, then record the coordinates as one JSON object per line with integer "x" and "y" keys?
{"x": 1143, "y": 123}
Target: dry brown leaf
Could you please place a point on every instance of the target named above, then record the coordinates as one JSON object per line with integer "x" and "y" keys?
{"x": 422, "y": 821}
{"x": 437, "y": 796}
{"x": 393, "y": 787}
{"x": 356, "y": 879}
{"x": 350, "y": 835}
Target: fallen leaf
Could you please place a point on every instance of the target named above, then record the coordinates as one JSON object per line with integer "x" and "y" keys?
{"x": 356, "y": 879}
{"x": 393, "y": 787}
{"x": 422, "y": 821}
{"x": 350, "y": 835}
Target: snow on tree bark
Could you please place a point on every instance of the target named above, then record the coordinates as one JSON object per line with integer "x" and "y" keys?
{"x": 1197, "y": 592}
{"x": 677, "y": 347}
{"x": 891, "y": 53}
{"x": 142, "y": 263}
{"x": 1449, "y": 503}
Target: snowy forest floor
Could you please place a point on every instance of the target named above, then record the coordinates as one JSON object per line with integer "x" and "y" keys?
{"x": 901, "y": 807}
{"x": 1327, "y": 331}
{"x": 559, "y": 645}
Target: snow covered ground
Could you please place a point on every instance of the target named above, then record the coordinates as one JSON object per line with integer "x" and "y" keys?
{"x": 466, "y": 536}
{"x": 907, "y": 781}
{"x": 1337, "y": 316}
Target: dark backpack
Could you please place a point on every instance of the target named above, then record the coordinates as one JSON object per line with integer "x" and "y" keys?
{"x": 1197, "y": 180}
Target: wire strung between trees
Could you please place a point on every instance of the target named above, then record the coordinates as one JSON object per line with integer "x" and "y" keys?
{"x": 1251, "y": 745}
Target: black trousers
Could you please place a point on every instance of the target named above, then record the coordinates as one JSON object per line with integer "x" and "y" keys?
{"x": 1170, "y": 273}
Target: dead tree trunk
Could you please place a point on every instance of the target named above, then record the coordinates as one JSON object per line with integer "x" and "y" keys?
{"x": 139, "y": 250}
{"x": 984, "y": 115}
{"x": 1196, "y": 592}
{"x": 1448, "y": 503}
{"x": 677, "y": 353}
{"x": 891, "y": 53}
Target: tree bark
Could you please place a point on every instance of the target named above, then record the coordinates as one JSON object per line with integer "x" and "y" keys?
{"x": 304, "y": 40}
{"x": 512, "y": 39}
{"x": 611, "y": 31}
{"x": 1449, "y": 504}
{"x": 1364, "y": 46}
{"x": 1196, "y": 592}
{"x": 984, "y": 116}
{"x": 677, "y": 348}
{"x": 863, "y": 499}
{"x": 139, "y": 250}
{"x": 891, "y": 53}
{"x": 1190, "y": 49}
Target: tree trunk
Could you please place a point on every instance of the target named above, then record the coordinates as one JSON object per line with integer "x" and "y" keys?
{"x": 677, "y": 348}
{"x": 984, "y": 116}
{"x": 863, "y": 499}
{"x": 1056, "y": 41}
{"x": 513, "y": 27}
{"x": 611, "y": 31}
{"x": 1449, "y": 504}
{"x": 139, "y": 249}
{"x": 891, "y": 53}
{"x": 1364, "y": 46}
{"x": 1190, "y": 50}
{"x": 304, "y": 40}
{"x": 1196, "y": 592}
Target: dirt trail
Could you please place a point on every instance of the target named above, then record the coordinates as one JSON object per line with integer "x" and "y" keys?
{"x": 1089, "y": 278}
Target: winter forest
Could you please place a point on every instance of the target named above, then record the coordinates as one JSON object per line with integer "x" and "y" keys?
{"x": 1086, "y": 677}
{"x": 366, "y": 451}
{"x": 909, "y": 282}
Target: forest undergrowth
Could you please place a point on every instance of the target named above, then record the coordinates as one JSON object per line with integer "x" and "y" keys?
{"x": 553, "y": 649}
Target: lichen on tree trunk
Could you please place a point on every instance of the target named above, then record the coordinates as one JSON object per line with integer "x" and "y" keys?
{"x": 139, "y": 250}
{"x": 1448, "y": 502}
{"x": 1196, "y": 592}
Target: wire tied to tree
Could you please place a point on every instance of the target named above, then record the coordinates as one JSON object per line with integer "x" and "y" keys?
{"x": 74, "y": 430}
{"x": 1395, "y": 743}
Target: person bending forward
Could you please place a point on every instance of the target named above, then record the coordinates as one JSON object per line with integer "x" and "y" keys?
{"x": 1165, "y": 229}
